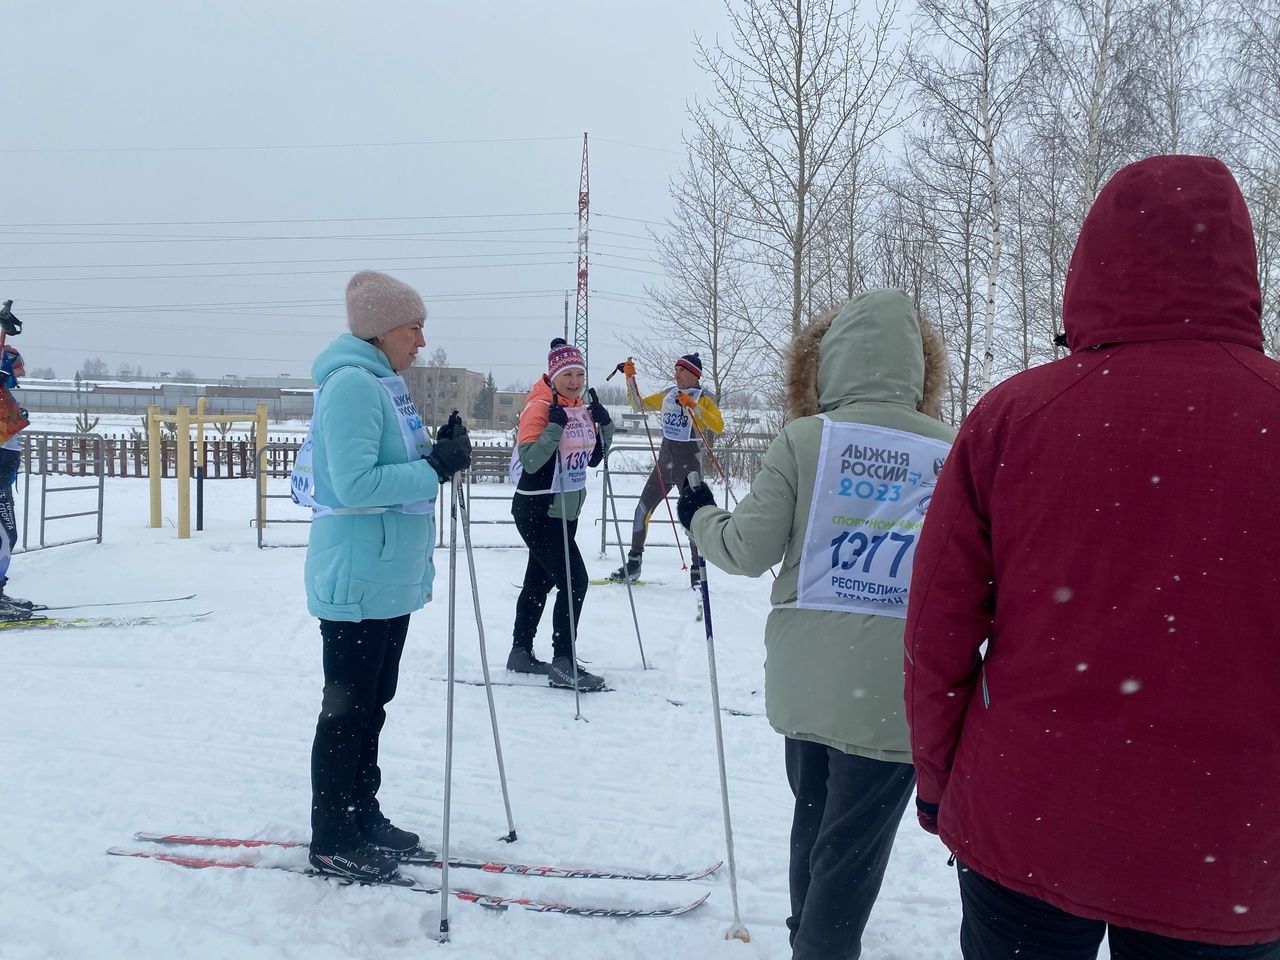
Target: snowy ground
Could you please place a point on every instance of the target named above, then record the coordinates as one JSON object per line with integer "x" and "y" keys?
{"x": 206, "y": 728}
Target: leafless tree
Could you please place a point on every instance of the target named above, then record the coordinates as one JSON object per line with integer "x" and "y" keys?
{"x": 1250, "y": 94}
{"x": 699, "y": 306}
{"x": 804, "y": 90}
{"x": 970, "y": 66}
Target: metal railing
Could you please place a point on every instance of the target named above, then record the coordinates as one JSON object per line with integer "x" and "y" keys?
{"x": 626, "y": 516}
{"x": 260, "y": 498}
{"x": 36, "y": 449}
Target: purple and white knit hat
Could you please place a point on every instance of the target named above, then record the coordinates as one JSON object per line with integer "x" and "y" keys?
{"x": 564, "y": 356}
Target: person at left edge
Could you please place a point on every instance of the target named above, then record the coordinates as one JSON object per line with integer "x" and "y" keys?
{"x": 11, "y": 368}
{"x": 371, "y": 476}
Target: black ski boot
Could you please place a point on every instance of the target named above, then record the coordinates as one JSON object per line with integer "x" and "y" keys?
{"x": 388, "y": 838}
{"x": 629, "y": 571}
{"x": 11, "y": 611}
{"x": 520, "y": 660}
{"x": 16, "y": 601}
{"x": 360, "y": 861}
{"x": 561, "y": 675}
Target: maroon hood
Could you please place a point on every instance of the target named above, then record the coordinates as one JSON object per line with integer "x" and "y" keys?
{"x": 1166, "y": 253}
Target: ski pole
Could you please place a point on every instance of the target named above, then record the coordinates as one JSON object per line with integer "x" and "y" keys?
{"x": 617, "y": 530}
{"x": 568, "y": 572}
{"x": 657, "y": 463}
{"x": 484, "y": 663}
{"x": 448, "y": 699}
{"x": 737, "y": 930}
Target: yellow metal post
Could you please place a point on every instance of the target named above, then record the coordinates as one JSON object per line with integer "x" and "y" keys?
{"x": 155, "y": 462}
{"x": 257, "y": 454}
{"x": 183, "y": 430}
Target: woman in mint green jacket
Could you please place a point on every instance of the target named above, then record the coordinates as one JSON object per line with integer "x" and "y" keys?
{"x": 839, "y": 501}
{"x": 370, "y": 475}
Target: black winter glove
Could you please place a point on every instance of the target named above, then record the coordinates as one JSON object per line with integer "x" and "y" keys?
{"x": 453, "y": 427}
{"x": 557, "y": 415}
{"x": 598, "y": 412}
{"x": 452, "y": 449}
{"x": 693, "y": 499}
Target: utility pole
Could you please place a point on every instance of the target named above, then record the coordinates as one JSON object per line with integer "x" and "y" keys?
{"x": 580, "y": 337}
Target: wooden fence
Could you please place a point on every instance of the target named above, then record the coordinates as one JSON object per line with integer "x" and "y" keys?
{"x": 223, "y": 459}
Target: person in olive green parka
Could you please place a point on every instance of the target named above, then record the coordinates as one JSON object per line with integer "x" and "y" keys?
{"x": 833, "y": 678}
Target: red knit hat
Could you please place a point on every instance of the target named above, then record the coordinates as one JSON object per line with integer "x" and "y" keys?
{"x": 562, "y": 357}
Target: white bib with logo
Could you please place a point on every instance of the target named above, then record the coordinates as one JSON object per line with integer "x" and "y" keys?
{"x": 677, "y": 422}
{"x": 417, "y": 444}
{"x": 576, "y": 444}
{"x": 872, "y": 490}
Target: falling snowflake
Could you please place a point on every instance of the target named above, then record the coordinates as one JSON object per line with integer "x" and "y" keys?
{"x": 1130, "y": 686}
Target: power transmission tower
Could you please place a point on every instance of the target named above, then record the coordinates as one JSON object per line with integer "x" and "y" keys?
{"x": 580, "y": 337}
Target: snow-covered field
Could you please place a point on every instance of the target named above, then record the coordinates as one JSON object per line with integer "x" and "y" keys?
{"x": 206, "y": 728}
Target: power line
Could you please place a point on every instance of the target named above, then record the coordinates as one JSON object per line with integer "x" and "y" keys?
{"x": 224, "y": 223}
{"x": 283, "y": 146}
{"x": 246, "y": 263}
{"x": 284, "y": 273}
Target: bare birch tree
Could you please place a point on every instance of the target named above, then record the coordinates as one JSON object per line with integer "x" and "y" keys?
{"x": 699, "y": 306}
{"x": 970, "y": 65}
{"x": 1250, "y": 92}
{"x": 805, "y": 90}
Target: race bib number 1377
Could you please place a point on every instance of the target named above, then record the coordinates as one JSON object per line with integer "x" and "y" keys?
{"x": 872, "y": 490}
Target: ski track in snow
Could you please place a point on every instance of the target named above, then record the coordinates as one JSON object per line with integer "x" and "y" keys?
{"x": 206, "y": 728}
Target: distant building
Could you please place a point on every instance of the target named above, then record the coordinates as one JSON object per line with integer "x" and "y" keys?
{"x": 437, "y": 391}
{"x": 507, "y": 405}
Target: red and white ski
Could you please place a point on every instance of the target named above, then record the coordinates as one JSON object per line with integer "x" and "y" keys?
{"x": 429, "y": 858}
{"x": 489, "y": 901}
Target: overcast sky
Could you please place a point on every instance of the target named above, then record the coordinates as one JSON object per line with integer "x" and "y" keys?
{"x": 191, "y": 184}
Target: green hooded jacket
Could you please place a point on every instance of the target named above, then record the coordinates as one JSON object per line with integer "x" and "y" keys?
{"x": 831, "y": 678}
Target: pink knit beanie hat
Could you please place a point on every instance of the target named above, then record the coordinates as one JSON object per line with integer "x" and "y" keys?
{"x": 564, "y": 357}
{"x": 377, "y": 303}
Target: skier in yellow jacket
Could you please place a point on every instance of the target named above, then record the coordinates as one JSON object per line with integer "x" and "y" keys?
{"x": 685, "y": 411}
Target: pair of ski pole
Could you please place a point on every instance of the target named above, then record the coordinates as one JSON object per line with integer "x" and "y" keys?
{"x": 457, "y": 504}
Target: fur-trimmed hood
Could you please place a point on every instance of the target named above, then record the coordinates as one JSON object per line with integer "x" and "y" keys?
{"x": 872, "y": 348}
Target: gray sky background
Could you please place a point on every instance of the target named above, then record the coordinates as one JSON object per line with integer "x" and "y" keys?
{"x": 191, "y": 184}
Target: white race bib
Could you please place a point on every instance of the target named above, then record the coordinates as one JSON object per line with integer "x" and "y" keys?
{"x": 576, "y": 444}
{"x": 417, "y": 444}
{"x": 677, "y": 423}
{"x": 870, "y": 495}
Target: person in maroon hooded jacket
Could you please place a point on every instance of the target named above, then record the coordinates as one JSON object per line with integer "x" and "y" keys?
{"x": 1109, "y": 763}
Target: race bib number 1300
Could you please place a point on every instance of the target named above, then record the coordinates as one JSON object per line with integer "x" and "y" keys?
{"x": 872, "y": 490}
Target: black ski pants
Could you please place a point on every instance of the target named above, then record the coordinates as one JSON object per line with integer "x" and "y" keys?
{"x": 10, "y": 461}
{"x": 1001, "y": 924}
{"x": 676, "y": 460}
{"x": 846, "y": 818}
{"x": 546, "y": 568}
{"x": 361, "y": 667}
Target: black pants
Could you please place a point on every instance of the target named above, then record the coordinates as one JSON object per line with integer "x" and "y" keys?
{"x": 846, "y": 818}
{"x": 544, "y": 536}
{"x": 676, "y": 460}
{"x": 361, "y": 667}
{"x": 10, "y": 460}
{"x": 1001, "y": 924}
